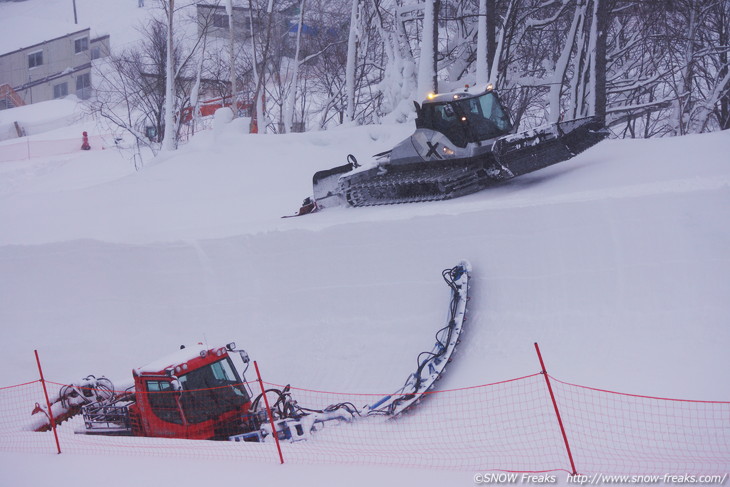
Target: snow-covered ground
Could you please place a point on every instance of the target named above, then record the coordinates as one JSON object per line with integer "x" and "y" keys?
{"x": 616, "y": 262}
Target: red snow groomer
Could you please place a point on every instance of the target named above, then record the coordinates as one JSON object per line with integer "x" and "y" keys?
{"x": 198, "y": 393}
{"x": 195, "y": 393}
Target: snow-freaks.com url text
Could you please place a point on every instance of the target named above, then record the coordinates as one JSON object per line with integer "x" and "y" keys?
{"x": 601, "y": 479}
{"x": 597, "y": 479}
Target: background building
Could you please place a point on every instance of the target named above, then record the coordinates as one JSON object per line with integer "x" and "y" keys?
{"x": 48, "y": 62}
{"x": 213, "y": 20}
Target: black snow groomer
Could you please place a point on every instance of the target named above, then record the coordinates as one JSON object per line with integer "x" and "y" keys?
{"x": 463, "y": 143}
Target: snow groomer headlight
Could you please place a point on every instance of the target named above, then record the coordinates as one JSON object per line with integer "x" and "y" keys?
{"x": 447, "y": 151}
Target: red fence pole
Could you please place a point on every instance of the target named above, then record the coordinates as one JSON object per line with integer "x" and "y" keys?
{"x": 48, "y": 402}
{"x": 557, "y": 412}
{"x": 268, "y": 412}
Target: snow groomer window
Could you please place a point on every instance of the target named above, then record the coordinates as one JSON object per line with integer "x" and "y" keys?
{"x": 162, "y": 399}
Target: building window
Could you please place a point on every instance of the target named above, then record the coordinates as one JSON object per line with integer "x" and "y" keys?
{"x": 83, "y": 86}
{"x": 220, "y": 20}
{"x": 95, "y": 53}
{"x": 35, "y": 59}
{"x": 60, "y": 90}
{"x": 81, "y": 44}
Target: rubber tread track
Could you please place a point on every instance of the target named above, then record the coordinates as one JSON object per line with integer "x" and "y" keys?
{"x": 513, "y": 156}
{"x": 413, "y": 184}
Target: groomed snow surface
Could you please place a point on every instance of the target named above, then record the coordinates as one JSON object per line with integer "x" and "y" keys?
{"x": 616, "y": 262}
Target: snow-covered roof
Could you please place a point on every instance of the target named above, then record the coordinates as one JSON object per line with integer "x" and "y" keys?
{"x": 176, "y": 358}
{"x": 218, "y": 3}
{"x": 21, "y": 32}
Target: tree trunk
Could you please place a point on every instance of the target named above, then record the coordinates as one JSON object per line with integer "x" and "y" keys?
{"x": 598, "y": 74}
{"x": 491, "y": 32}
{"x": 169, "y": 142}
{"x": 352, "y": 61}
{"x": 291, "y": 96}
{"x": 232, "y": 57}
{"x": 258, "y": 121}
{"x": 561, "y": 66}
{"x": 253, "y": 127}
{"x": 724, "y": 38}
{"x": 496, "y": 65}
{"x": 684, "y": 101}
{"x": 486, "y": 42}
{"x": 427, "y": 61}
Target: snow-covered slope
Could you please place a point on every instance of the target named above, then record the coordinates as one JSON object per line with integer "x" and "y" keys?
{"x": 616, "y": 262}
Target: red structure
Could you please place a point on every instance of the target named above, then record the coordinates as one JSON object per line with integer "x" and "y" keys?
{"x": 192, "y": 394}
{"x": 268, "y": 412}
{"x": 85, "y": 141}
{"x": 48, "y": 402}
{"x": 208, "y": 107}
{"x": 557, "y": 411}
{"x": 10, "y": 97}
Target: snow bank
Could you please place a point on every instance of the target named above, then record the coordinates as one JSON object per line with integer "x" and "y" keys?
{"x": 615, "y": 262}
{"x": 596, "y": 258}
{"x": 39, "y": 118}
